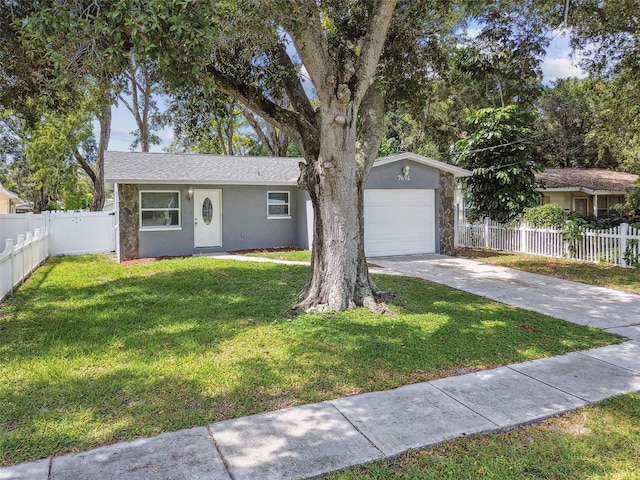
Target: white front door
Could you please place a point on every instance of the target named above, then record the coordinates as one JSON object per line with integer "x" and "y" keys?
{"x": 207, "y": 218}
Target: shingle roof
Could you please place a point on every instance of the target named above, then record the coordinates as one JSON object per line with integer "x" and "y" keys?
{"x": 587, "y": 178}
{"x": 136, "y": 167}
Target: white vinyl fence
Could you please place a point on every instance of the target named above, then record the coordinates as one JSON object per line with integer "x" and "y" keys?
{"x": 615, "y": 246}
{"x": 19, "y": 260}
{"x": 30, "y": 239}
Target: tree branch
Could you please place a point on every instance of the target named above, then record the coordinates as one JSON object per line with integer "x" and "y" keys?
{"x": 304, "y": 134}
{"x": 374, "y": 40}
{"x": 85, "y": 165}
{"x": 371, "y": 129}
{"x": 311, "y": 44}
{"x": 253, "y": 122}
{"x": 293, "y": 86}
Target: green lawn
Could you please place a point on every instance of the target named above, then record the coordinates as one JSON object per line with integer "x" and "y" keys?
{"x": 603, "y": 275}
{"x": 92, "y": 352}
{"x": 601, "y": 441}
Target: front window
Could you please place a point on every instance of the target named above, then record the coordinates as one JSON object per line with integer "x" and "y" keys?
{"x": 159, "y": 209}
{"x": 278, "y": 205}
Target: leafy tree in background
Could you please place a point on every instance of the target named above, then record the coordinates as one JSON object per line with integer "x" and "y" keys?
{"x": 54, "y": 146}
{"x": 505, "y": 57}
{"x": 206, "y": 120}
{"x": 607, "y": 34}
{"x": 45, "y": 71}
{"x": 499, "y": 151}
{"x": 138, "y": 89}
{"x": 566, "y": 118}
{"x": 500, "y": 66}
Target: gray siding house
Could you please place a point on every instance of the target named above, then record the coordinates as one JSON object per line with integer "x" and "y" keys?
{"x": 183, "y": 204}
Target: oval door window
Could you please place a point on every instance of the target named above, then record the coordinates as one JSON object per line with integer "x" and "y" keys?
{"x": 207, "y": 211}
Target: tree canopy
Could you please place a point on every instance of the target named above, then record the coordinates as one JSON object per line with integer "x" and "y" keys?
{"x": 501, "y": 154}
{"x": 326, "y": 76}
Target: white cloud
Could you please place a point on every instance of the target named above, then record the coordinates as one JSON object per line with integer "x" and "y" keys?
{"x": 554, "y": 68}
{"x": 473, "y": 32}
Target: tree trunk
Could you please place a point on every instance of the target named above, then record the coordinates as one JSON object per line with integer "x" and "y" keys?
{"x": 339, "y": 276}
{"x": 104, "y": 118}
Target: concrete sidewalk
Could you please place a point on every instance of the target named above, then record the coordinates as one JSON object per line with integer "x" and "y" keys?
{"x": 314, "y": 439}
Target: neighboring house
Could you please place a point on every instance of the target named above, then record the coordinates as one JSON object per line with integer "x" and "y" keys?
{"x": 585, "y": 191}
{"x": 8, "y": 200}
{"x": 109, "y": 204}
{"x": 172, "y": 204}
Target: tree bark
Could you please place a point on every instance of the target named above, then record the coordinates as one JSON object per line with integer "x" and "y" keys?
{"x": 332, "y": 183}
{"x": 104, "y": 118}
{"x": 339, "y": 277}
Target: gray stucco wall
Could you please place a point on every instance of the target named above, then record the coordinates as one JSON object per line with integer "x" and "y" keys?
{"x": 244, "y": 222}
{"x": 390, "y": 176}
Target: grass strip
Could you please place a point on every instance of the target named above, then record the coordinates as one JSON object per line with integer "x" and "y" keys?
{"x": 599, "y": 274}
{"x": 596, "y": 442}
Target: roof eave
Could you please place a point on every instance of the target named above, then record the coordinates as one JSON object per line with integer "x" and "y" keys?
{"x": 583, "y": 190}
{"x": 130, "y": 181}
{"x": 431, "y": 162}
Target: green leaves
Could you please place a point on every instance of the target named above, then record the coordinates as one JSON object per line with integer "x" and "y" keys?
{"x": 500, "y": 152}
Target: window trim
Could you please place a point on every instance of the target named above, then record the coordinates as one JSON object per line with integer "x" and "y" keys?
{"x": 285, "y": 216}
{"x": 160, "y": 228}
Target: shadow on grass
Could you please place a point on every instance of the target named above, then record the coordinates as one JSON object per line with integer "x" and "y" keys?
{"x": 92, "y": 352}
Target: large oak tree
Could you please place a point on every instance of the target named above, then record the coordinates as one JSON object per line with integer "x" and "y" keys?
{"x": 258, "y": 52}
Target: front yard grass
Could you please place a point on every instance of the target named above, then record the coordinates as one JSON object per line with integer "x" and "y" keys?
{"x": 596, "y": 442}
{"x": 289, "y": 255}
{"x": 93, "y": 352}
{"x": 600, "y": 274}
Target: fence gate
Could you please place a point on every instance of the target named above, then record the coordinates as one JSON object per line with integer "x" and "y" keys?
{"x": 82, "y": 232}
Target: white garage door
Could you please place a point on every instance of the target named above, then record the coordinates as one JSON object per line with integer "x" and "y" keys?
{"x": 399, "y": 222}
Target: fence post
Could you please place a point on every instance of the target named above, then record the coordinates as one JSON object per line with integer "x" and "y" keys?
{"x": 28, "y": 221}
{"x": 18, "y": 274}
{"x": 487, "y": 232}
{"x": 11, "y": 267}
{"x": 524, "y": 244}
{"x": 46, "y": 218}
{"x": 624, "y": 231}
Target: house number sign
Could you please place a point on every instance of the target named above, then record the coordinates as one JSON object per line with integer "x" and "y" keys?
{"x": 404, "y": 176}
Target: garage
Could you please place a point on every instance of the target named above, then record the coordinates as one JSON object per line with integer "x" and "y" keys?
{"x": 399, "y": 222}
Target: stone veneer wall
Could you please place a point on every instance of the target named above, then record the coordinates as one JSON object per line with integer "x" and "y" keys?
{"x": 447, "y": 214}
{"x": 129, "y": 219}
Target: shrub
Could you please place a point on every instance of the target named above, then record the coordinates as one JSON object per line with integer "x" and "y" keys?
{"x": 550, "y": 215}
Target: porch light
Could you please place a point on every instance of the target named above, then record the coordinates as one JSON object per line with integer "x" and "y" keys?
{"x": 190, "y": 192}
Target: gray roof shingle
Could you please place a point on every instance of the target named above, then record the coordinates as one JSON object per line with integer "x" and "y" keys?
{"x": 136, "y": 167}
{"x": 167, "y": 168}
{"x": 589, "y": 178}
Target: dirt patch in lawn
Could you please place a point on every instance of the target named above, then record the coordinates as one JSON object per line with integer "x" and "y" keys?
{"x": 271, "y": 249}
{"x": 137, "y": 261}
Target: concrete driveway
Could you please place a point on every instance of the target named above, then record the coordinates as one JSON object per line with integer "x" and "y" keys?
{"x": 603, "y": 308}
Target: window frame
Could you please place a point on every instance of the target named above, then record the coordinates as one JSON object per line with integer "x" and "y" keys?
{"x": 284, "y": 216}
{"x": 160, "y": 227}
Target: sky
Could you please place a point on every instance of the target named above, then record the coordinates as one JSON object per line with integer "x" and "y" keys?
{"x": 558, "y": 63}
